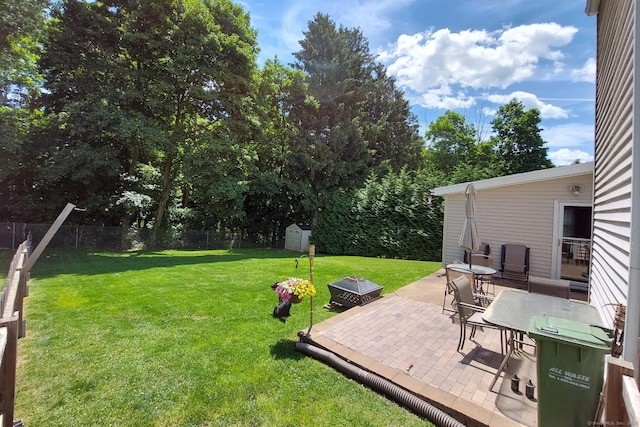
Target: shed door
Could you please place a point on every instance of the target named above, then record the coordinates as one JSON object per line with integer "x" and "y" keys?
{"x": 571, "y": 257}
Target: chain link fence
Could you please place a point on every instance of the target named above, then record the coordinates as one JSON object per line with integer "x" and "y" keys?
{"x": 89, "y": 237}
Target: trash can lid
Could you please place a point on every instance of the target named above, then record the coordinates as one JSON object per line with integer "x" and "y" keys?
{"x": 568, "y": 331}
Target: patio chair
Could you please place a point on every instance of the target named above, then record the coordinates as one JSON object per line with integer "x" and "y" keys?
{"x": 514, "y": 261}
{"x": 483, "y": 251}
{"x": 582, "y": 253}
{"x": 469, "y": 312}
{"x": 448, "y": 290}
{"x": 554, "y": 287}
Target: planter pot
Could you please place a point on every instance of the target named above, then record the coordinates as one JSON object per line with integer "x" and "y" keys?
{"x": 295, "y": 299}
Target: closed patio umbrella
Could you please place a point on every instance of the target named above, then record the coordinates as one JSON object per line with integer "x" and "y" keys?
{"x": 469, "y": 239}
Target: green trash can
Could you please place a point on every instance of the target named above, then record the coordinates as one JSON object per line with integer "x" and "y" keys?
{"x": 570, "y": 367}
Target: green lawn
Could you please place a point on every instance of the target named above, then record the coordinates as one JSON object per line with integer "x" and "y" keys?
{"x": 186, "y": 338}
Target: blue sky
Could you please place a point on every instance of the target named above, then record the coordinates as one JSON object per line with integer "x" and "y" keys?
{"x": 469, "y": 56}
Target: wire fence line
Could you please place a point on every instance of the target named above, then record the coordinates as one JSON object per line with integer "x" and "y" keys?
{"x": 90, "y": 237}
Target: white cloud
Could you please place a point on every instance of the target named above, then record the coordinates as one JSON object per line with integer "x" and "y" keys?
{"x": 443, "y": 98}
{"x": 569, "y": 135}
{"x": 476, "y": 58}
{"x": 372, "y": 16}
{"x": 292, "y": 26}
{"x": 587, "y": 73}
{"x": 566, "y": 156}
{"x": 530, "y": 100}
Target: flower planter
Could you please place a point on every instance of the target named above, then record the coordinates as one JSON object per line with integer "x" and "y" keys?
{"x": 288, "y": 289}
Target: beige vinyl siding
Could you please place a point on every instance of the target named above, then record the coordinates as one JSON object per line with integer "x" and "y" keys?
{"x": 520, "y": 213}
{"x": 613, "y": 156}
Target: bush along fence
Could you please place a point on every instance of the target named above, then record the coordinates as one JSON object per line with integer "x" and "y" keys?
{"x": 12, "y": 327}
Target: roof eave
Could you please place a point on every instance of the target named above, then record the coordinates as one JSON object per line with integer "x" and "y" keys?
{"x": 520, "y": 178}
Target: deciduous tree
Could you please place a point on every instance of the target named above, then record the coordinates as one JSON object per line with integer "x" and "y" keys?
{"x": 21, "y": 27}
{"x": 453, "y": 153}
{"x": 517, "y": 139}
{"x": 273, "y": 195}
{"x": 167, "y": 83}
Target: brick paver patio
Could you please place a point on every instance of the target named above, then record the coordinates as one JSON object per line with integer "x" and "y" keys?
{"x": 405, "y": 338}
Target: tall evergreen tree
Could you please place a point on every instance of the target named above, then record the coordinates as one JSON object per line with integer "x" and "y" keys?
{"x": 362, "y": 122}
{"x": 392, "y": 132}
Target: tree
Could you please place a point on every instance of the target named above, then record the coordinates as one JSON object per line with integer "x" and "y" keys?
{"x": 218, "y": 153}
{"x": 362, "y": 121}
{"x": 392, "y": 216}
{"x": 517, "y": 139}
{"x": 21, "y": 25}
{"x": 163, "y": 83}
{"x": 454, "y": 155}
{"x": 450, "y": 141}
{"x": 393, "y": 130}
{"x": 272, "y": 198}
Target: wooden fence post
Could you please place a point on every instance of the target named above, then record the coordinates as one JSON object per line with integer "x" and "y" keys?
{"x": 8, "y": 371}
{"x": 22, "y": 293}
{"x": 636, "y": 374}
{"x": 615, "y": 413}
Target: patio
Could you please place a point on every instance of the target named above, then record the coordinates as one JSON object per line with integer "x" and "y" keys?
{"x": 405, "y": 338}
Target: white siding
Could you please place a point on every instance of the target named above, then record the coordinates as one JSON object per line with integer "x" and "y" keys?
{"x": 613, "y": 163}
{"x": 521, "y": 214}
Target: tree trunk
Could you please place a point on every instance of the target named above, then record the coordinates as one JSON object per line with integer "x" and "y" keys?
{"x": 167, "y": 180}
{"x": 126, "y": 219}
{"x": 126, "y": 223}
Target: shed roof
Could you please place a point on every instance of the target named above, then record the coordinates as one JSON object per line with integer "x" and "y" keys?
{"x": 306, "y": 227}
{"x": 520, "y": 178}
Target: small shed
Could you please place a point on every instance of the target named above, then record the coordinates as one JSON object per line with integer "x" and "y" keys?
{"x": 297, "y": 237}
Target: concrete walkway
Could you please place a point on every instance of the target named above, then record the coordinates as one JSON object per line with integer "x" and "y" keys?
{"x": 406, "y": 338}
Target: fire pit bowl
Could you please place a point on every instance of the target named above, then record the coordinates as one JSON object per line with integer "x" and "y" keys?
{"x": 351, "y": 291}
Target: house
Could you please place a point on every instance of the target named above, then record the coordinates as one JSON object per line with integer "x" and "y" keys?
{"x": 547, "y": 210}
{"x": 297, "y": 237}
{"x": 615, "y": 262}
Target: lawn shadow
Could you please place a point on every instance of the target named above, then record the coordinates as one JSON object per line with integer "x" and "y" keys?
{"x": 55, "y": 261}
{"x": 286, "y": 349}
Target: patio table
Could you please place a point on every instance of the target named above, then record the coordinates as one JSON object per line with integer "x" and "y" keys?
{"x": 476, "y": 270}
{"x": 513, "y": 309}
{"x": 479, "y": 270}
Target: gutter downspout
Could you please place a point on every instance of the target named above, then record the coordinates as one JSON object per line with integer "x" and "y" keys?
{"x": 592, "y": 7}
{"x": 381, "y": 385}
